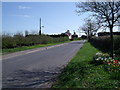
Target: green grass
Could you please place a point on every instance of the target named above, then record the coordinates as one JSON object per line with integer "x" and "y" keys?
{"x": 82, "y": 73}
{"x": 7, "y": 51}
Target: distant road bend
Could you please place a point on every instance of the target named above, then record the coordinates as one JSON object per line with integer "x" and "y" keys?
{"x": 37, "y": 68}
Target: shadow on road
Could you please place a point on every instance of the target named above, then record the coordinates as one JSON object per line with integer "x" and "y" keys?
{"x": 28, "y": 79}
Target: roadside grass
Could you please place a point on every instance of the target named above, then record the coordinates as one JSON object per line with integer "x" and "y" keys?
{"x": 82, "y": 73}
{"x": 7, "y": 51}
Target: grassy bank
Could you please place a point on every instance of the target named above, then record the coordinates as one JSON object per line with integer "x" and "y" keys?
{"x": 6, "y": 51}
{"x": 82, "y": 73}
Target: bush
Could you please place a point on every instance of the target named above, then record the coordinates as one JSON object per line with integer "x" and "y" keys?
{"x": 19, "y": 40}
{"x": 8, "y": 42}
{"x": 103, "y": 43}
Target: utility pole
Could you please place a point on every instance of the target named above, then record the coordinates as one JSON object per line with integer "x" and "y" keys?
{"x": 40, "y": 27}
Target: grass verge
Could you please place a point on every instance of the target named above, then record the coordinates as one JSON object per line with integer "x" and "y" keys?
{"x": 7, "y": 51}
{"x": 81, "y": 73}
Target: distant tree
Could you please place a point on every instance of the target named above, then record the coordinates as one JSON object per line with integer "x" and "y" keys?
{"x": 34, "y": 32}
{"x": 107, "y": 14}
{"x": 18, "y": 34}
{"x": 90, "y": 28}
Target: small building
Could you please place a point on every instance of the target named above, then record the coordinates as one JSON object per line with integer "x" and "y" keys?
{"x": 68, "y": 34}
{"x": 74, "y": 35}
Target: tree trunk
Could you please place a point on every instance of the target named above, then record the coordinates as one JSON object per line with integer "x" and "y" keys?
{"x": 88, "y": 35}
{"x": 112, "y": 43}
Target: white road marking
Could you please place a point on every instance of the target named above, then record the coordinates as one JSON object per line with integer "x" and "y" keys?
{"x": 35, "y": 51}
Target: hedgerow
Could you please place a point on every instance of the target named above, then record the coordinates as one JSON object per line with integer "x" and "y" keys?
{"x": 20, "y": 40}
{"x": 103, "y": 43}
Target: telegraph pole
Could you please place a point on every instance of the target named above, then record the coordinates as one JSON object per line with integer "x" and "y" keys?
{"x": 40, "y": 27}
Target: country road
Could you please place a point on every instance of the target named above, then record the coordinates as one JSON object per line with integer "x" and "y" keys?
{"x": 37, "y": 68}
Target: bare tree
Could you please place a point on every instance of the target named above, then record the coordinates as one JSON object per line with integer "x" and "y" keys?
{"x": 106, "y": 13}
{"x": 90, "y": 28}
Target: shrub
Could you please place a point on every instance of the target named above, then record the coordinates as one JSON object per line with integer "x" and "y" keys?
{"x": 103, "y": 43}
{"x": 8, "y": 42}
{"x": 19, "y": 40}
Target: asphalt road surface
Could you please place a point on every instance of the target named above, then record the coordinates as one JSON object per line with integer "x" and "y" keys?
{"x": 36, "y": 68}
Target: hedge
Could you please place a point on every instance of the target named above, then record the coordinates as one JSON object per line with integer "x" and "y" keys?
{"x": 103, "y": 43}
{"x": 19, "y": 40}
